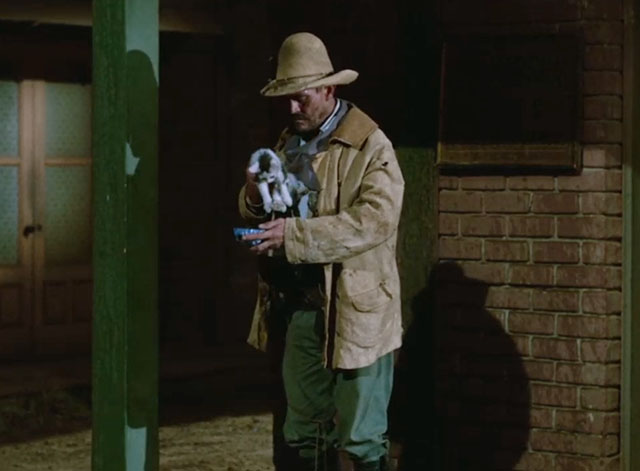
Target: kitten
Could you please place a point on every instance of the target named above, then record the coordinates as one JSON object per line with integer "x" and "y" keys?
{"x": 269, "y": 172}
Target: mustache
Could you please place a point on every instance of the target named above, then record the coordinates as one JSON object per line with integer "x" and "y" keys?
{"x": 298, "y": 116}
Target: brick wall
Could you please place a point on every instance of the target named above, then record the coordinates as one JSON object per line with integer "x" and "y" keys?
{"x": 530, "y": 276}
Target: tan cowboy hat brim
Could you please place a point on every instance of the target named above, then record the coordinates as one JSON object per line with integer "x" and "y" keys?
{"x": 279, "y": 87}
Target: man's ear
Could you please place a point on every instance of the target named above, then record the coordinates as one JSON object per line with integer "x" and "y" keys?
{"x": 330, "y": 91}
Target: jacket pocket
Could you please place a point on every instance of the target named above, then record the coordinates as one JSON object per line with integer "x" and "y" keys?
{"x": 362, "y": 307}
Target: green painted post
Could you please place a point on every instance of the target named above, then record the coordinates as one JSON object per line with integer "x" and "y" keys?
{"x": 125, "y": 345}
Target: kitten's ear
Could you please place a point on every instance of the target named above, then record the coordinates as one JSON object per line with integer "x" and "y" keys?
{"x": 271, "y": 153}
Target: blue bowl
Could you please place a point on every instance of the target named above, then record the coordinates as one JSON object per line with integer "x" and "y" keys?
{"x": 239, "y": 232}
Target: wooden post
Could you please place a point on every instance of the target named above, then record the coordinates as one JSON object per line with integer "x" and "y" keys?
{"x": 125, "y": 117}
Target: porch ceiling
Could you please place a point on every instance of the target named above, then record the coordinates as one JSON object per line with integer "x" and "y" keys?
{"x": 185, "y": 15}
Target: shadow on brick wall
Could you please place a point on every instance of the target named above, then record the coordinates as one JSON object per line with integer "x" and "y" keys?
{"x": 462, "y": 395}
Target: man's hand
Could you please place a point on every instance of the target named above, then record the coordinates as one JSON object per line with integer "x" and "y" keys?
{"x": 272, "y": 237}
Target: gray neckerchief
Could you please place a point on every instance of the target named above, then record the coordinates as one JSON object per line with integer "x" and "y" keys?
{"x": 299, "y": 154}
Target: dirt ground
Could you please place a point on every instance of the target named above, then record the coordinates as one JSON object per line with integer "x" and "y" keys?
{"x": 51, "y": 431}
{"x": 220, "y": 444}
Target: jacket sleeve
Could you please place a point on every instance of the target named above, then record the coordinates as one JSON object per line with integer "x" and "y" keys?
{"x": 251, "y": 214}
{"x": 370, "y": 220}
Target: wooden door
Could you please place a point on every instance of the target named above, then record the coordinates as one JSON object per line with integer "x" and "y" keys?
{"x": 16, "y": 213}
{"x": 45, "y": 280}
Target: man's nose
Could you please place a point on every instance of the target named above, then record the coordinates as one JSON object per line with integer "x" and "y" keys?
{"x": 294, "y": 107}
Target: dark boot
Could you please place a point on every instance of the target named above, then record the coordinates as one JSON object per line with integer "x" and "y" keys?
{"x": 323, "y": 462}
{"x": 367, "y": 466}
{"x": 378, "y": 465}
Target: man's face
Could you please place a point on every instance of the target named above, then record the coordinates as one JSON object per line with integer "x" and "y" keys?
{"x": 309, "y": 108}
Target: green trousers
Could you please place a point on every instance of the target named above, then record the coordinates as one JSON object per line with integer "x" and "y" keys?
{"x": 326, "y": 408}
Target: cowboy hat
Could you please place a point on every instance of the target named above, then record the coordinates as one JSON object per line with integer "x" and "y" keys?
{"x": 303, "y": 62}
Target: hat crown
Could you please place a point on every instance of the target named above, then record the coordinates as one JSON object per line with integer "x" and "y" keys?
{"x": 303, "y": 55}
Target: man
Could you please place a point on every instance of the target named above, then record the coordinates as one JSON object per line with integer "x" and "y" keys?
{"x": 329, "y": 289}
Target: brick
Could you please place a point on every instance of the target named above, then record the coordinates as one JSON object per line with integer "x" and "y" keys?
{"x": 531, "y": 323}
{"x": 492, "y": 273}
{"x": 503, "y": 250}
{"x": 532, "y": 461}
{"x": 580, "y": 421}
{"x": 591, "y": 374}
{"x": 602, "y": 57}
{"x": 556, "y": 252}
{"x": 522, "y": 344}
{"x": 447, "y": 182}
{"x": 531, "y": 226}
{"x": 483, "y": 343}
{"x": 602, "y": 10}
{"x": 603, "y": 108}
{"x": 588, "y": 180}
{"x": 602, "y": 83}
{"x": 600, "y": 351}
{"x": 553, "y": 395}
{"x": 543, "y": 440}
{"x": 539, "y": 183}
{"x": 578, "y": 463}
{"x": 483, "y": 183}
{"x": 508, "y": 298}
{"x": 531, "y": 275}
{"x": 606, "y": 156}
{"x": 600, "y": 399}
{"x": 555, "y": 349}
{"x": 448, "y": 224}
{"x": 609, "y": 32}
{"x": 590, "y": 227}
{"x": 555, "y": 203}
{"x": 609, "y": 204}
{"x": 541, "y": 418}
{"x": 597, "y": 445}
{"x": 539, "y": 370}
{"x": 591, "y": 276}
{"x": 460, "y": 249}
{"x": 509, "y": 11}
{"x": 612, "y": 423}
{"x": 449, "y": 295}
{"x": 460, "y": 202}
{"x": 499, "y": 315}
{"x": 589, "y": 327}
{"x": 613, "y": 180}
{"x": 595, "y": 132}
{"x": 602, "y": 253}
{"x": 557, "y": 300}
{"x": 507, "y": 202}
{"x": 492, "y": 367}
{"x": 602, "y": 302}
{"x": 495, "y": 226}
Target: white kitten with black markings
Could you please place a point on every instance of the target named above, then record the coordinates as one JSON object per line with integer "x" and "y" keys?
{"x": 267, "y": 167}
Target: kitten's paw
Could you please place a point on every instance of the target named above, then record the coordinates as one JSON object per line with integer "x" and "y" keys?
{"x": 279, "y": 206}
{"x": 267, "y": 206}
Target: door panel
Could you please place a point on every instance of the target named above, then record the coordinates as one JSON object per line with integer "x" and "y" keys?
{"x": 45, "y": 218}
{"x": 16, "y": 251}
{"x": 67, "y": 215}
{"x": 68, "y": 121}
{"x": 63, "y": 205}
{"x": 9, "y": 185}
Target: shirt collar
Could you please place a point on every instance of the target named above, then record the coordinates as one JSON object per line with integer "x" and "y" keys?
{"x": 329, "y": 121}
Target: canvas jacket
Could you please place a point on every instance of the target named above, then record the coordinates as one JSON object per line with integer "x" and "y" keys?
{"x": 354, "y": 236}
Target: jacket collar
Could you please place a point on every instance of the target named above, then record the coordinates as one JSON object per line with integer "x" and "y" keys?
{"x": 355, "y": 128}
